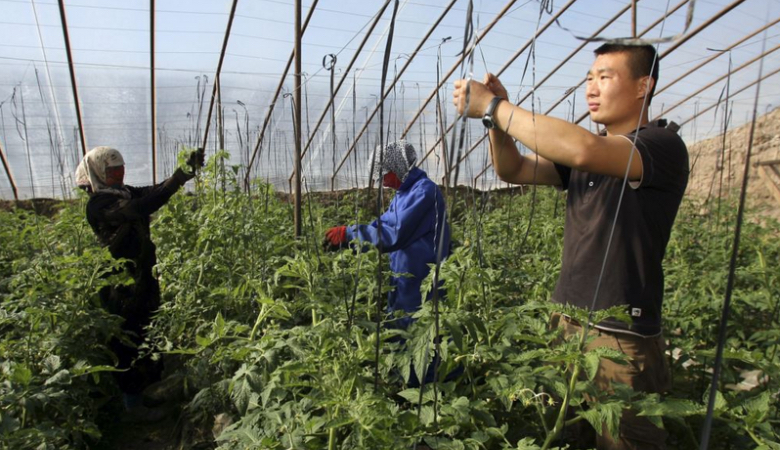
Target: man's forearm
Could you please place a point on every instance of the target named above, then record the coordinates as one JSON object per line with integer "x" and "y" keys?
{"x": 506, "y": 159}
{"x": 554, "y": 139}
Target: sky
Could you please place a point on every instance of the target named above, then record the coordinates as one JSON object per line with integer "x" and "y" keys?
{"x": 110, "y": 41}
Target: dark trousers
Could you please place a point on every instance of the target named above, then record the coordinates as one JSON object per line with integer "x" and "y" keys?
{"x": 647, "y": 371}
{"x": 135, "y": 304}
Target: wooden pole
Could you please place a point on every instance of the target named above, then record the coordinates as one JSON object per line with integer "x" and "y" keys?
{"x": 717, "y": 80}
{"x": 219, "y": 70}
{"x": 538, "y": 85}
{"x": 154, "y": 90}
{"x": 73, "y": 84}
{"x": 272, "y": 105}
{"x": 8, "y": 172}
{"x": 687, "y": 37}
{"x": 770, "y": 74}
{"x": 356, "y": 136}
{"x": 297, "y": 128}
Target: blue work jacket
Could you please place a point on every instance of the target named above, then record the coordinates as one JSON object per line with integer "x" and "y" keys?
{"x": 411, "y": 233}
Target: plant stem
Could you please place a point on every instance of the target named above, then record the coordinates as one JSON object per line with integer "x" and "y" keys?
{"x": 332, "y": 433}
{"x": 560, "y": 421}
{"x": 259, "y": 320}
{"x": 573, "y": 420}
{"x": 332, "y": 439}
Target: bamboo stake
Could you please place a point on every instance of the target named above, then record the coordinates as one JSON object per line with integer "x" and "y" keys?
{"x": 153, "y": 79}
{"x": 219, "y": 70}
{"x": 9, "y": 173}
{"x": 297, "y": 122}
{"x": 73, "y": 84}
{"x": 278, "y": 91}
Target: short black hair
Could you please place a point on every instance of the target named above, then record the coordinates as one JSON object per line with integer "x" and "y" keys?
{"x": 642, "y": 61}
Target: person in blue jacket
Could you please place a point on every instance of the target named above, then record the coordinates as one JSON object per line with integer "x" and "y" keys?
{"x": 411, "y": 228}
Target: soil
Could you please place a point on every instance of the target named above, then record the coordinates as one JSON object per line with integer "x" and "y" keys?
{"x": 121, "y": 431}
{"x": 141, "y": 436}
{"x": 44, "y": 206}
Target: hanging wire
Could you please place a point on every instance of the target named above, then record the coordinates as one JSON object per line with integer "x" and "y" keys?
{"x": 311, "y": 240}
{"x": 22, "y": 131}
{"x": 532, "y": 59}
{"x": 468, "y": 35}
{"x": 58, "y": 123}
{"x": 379, "y": 200}
{"x": 547, "y": 6}
{"x": 467, "y": 72}
{"x": 726, "y": 117}
{"x": 329, "y": 64}
{"x": 356, "y": 277}
{"x": 439, "y": 115}
{"x": 707, "y": 428}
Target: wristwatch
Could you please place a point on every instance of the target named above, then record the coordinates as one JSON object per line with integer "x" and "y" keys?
{"x": 487, "y": 119}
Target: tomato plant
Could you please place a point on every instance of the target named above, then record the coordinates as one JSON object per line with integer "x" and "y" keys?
{"x": 281, "y": 336}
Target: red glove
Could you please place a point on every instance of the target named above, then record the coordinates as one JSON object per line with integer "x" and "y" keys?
{"x": 336, "y": 236}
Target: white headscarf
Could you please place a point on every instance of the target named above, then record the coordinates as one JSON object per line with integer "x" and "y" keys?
{"x": 92, "y": 170}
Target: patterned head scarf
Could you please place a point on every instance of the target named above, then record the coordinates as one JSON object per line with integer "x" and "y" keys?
{"x": 398, "y": 157}
{"x": 92, "y": 169}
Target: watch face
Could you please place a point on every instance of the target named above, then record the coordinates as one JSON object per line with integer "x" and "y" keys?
{"x": 487, "y": 121}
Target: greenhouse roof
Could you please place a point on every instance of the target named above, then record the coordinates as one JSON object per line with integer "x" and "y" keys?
{"x": 134, "y": 71}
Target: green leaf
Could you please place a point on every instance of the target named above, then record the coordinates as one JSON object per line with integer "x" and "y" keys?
{"x": 591, "y": 364}
{"x": 460, "y": 409}
{"x": 412, "y": 395}
{"x": 720, "y": 401}
{"x": 426, "y": 415}
{"x": 8, "y": 423}
{"x": 757, "y": 409}
{"x": 443, "y": 443}
{"x": 219, "y": 325}
{"x": 604, "y": 414}
{"x": 51, "y": 363}
{"x": 63, "y": 377}
{"x": 527, "y": 444}
{"x": 203, "y": 341}
{"x": 244, "y": 388}
{"x": 21, "y": 375}
{"x": 457, "y": 334}
{"x": 670, "y": 407}
{"x": 422, "y": 352}
{"x": 81, "y": 368}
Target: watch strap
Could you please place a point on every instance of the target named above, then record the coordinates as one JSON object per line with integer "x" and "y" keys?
{"x": 487, "y": 119}
{"x": 493, "y": 105}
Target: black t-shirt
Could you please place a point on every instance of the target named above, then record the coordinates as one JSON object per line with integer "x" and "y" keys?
{"x": 633, "y": 275}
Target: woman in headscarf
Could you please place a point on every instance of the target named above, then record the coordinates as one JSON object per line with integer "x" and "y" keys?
{"x": 120, "y": 216}
{"x": 414, "y": 230}
{"x": 411, "y": 227}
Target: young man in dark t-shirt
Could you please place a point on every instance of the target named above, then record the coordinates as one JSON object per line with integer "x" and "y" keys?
{"x": 652, "y": 160}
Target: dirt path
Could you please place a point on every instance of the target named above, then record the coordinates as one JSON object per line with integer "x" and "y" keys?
{"x": 161, "y": 435}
